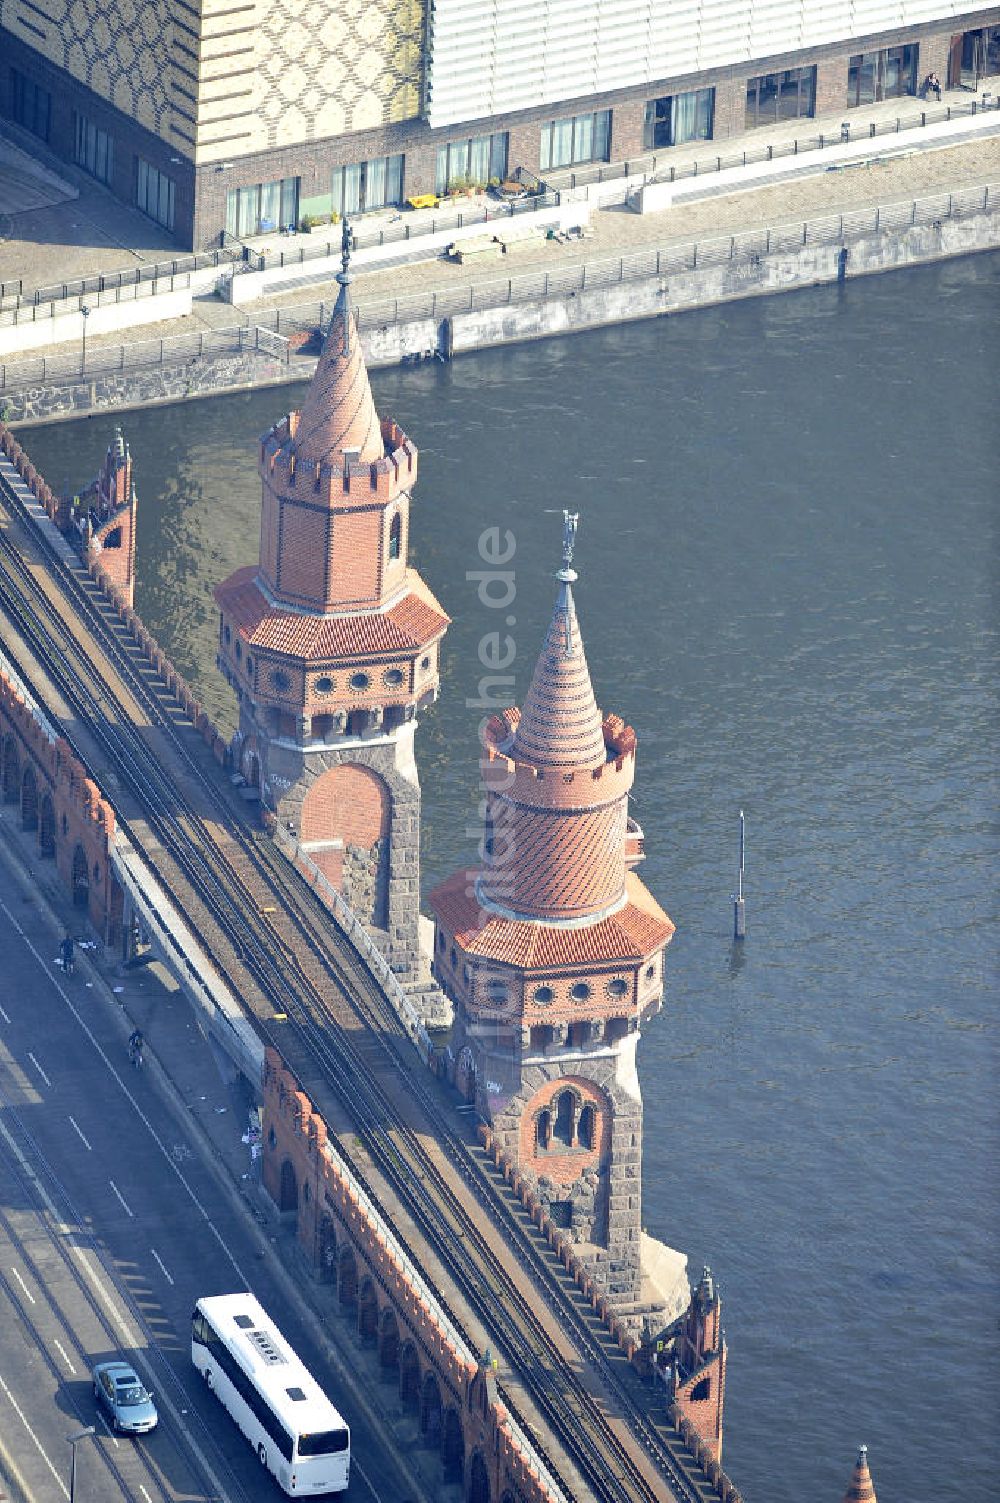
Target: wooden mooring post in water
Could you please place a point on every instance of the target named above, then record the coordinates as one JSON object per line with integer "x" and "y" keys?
{"x": 739, "y": 907}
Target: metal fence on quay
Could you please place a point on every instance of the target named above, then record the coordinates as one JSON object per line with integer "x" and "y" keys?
{"x": 272, "y": 326}
{"x": 13, "y": 295}
{"x": 58, "y": 370}
{"x": 834, "y": 229}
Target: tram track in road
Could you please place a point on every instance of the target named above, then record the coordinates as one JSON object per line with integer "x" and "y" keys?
{"x": 234, "y": 886}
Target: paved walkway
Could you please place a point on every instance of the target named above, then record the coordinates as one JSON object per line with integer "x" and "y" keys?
{"x": 927, "y": 169}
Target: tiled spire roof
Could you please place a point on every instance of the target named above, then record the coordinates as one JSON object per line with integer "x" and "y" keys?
{"x": 560, "y": 724}
{"x": 338, "y": 412}
{"x": 861, "y": 1489}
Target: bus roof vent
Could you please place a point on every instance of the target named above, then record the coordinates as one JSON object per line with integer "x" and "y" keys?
{"x": 296, "y": 1394}
{"x": 270, "y": 1353}
{"x": 245, "y": 1322}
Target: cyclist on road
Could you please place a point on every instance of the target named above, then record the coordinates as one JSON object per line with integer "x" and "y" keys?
{"x": 135, "y": 1043}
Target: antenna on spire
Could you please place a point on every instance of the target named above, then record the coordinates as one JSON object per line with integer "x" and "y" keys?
{"x": 567, "y": 574}
{"x": 344, "y": 278}
{"x": 739, "y": 909}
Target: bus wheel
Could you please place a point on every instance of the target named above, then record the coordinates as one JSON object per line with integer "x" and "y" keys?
{"x": 262, "y": 1455}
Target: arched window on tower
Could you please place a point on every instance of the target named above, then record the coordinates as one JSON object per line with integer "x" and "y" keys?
{"x": 396, "y": 536}
{"x": 585, "y": 1132}
{"x": 543, "y": 1130}
{"x": 563, "y": 1127}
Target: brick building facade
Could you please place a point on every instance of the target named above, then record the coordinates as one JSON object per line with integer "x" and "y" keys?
{"x": 211, "y": 116}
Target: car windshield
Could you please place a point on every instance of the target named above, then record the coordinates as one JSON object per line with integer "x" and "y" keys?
{"x": 130, "y": 1391}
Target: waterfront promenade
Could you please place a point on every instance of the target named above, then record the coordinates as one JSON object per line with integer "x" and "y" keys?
{"x": 818, "y": 188}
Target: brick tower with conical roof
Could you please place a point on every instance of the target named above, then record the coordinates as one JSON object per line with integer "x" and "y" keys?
{"x": 861, "y": 1489}
{"x": 552, "y": 953}
{"x": 331, "y": 643}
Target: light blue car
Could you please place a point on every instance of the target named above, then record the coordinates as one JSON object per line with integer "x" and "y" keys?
{"x": 118, "y": 1389}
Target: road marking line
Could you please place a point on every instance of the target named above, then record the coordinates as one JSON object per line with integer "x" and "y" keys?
{"x": 160, "y": 1261}
{"x": 39, "y": 1069}
{"x": 110, "y": 1432}
{"x": 34, "y": 1438}
{"x": 145, "y": 1494}
{"x": 4, "y": 1015}
{"x": 65, "y": 1356}
{"x": 79, "y": 1134}
{"x": 27, "y": 1292}
{"x": 124, "y": 1202}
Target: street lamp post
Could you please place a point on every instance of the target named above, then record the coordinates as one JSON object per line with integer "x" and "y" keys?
{"x": 86, "y": 314}
{"x": 73, "y": 1439}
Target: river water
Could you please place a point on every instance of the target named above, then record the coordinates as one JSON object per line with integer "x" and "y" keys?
{"x": 787, "y": 569}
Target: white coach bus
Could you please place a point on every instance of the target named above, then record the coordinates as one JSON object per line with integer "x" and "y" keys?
{"x": 249, "y": 1366}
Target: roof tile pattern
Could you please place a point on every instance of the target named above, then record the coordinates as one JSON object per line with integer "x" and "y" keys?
{"x": 632, "y": 934}
{"x": 861, "y": 1489}
{"x": 571, "y": 864}
{"x": 339, "y": 412}
{"x": 410, "y": 625}
{"x": 560, "y": 724}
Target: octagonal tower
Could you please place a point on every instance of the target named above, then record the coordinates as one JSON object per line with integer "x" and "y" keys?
{"x": 552, "y": 952}
{"x": 331, "y": 642}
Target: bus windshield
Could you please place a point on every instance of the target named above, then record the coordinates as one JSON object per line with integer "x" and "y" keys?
{"x": 324, "y": 1442}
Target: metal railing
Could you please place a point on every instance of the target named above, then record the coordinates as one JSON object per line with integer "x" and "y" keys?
{"x": 55, "y": 370}
{"x": 658, "y": 167}
{"x": 745, "y": 248}
{"x": 13, "y": 295}
{"x": 35, "y": 311}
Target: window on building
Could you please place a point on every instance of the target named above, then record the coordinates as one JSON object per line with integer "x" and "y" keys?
{"x": 262, "y": 207}
{"x": 395, "y": 536}
{"x": 888, "y": 73}
{"x": 31, "y": 105}
{"x": 780, "y": 96}
{"x": 979, "y": 56}
{"x": 368, "y": 185}
{"x": 677, "y": 118}
{"x": 579, "y": 138}
{"x": 475, "y": 160}
{"x": 94, "y": 150}
{"x": 154, "y": 194}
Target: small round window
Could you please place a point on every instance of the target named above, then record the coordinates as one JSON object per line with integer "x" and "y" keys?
{"x": 324, "y": 685}
{"x": 360, "y": 680}
{"x": 280, "y": 680}
{"x": 617, "y": 987}
{"x": 392, "y": 678}
{"x": 543, "y": 995}
{"x": 580, "y": 992}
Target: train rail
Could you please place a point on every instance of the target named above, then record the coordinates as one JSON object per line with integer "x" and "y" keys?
{"x": 233, "y": 886}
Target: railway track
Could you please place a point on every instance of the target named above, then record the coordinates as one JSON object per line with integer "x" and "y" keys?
{"x": 233, "y": 886}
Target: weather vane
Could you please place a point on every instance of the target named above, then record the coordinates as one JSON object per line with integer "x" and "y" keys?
{"x": 571, "y": 520}
{"x": 344, "y": 278}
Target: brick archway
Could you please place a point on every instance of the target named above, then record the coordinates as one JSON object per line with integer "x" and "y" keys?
{"x": 347, "y": 1279}
{"x": 431, "y": 1416}
{"x": 288, "y": 1194}
{"x": 46, "y": 826}
{"x": 368, "y": 1313}
{"x": 345, "y": 828}
{"x": 388, "y": 1341}
{"x": 11, "y": 771}
{"x": 409, "y": 1376}
{"x": 453, "y": 1447}
{"x": 479, "y": 1480}
{"x": 29, "y": 800}
{"x": 81, "y": 878}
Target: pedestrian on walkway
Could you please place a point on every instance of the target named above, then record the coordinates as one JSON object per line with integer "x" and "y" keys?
{"x": 67, "y": 956}
{"x": 931, "y": 85}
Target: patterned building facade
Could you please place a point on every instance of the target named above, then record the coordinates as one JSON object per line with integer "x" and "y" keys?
{"x": 211, "y": 115}
{"x": 331, "y": 643}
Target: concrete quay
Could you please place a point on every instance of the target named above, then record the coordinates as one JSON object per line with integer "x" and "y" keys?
{"x": 435, "y": 306}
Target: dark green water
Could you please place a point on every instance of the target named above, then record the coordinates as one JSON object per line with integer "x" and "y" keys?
{"x": 787, "y": 585}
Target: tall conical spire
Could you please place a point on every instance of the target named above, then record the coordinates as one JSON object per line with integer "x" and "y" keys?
{"x": 338, "y": 413}
{"x": 861, "y": 1489}
{"x": 560, "y": 724}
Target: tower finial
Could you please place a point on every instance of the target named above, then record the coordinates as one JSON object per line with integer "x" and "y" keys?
{"x": 571, "y": 520}
{"x": 344, "y": 278}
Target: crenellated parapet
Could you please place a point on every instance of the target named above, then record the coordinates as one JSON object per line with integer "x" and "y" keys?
{"x": 350, "y": 1245}
{"x": 353, "y": 482}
